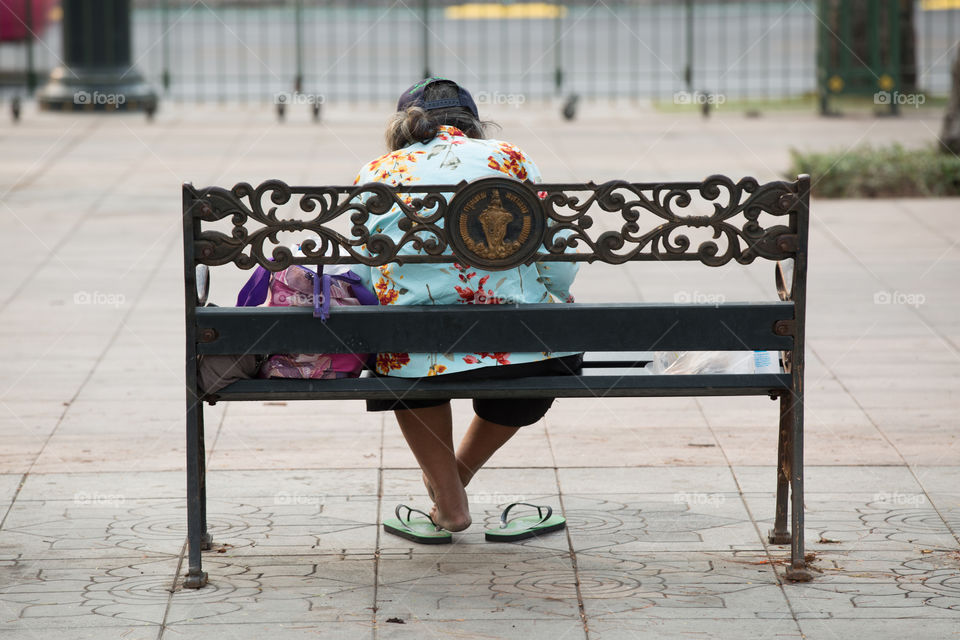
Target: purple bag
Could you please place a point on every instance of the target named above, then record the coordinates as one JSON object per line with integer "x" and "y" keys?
{"x": 299, "y": 286}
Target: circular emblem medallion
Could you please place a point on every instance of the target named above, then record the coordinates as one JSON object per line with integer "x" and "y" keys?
{"x": 495, "y": 223}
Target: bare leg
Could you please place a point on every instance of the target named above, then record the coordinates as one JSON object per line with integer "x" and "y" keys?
{"x": 429, "y": 433}
{"x": 481, "y": 441}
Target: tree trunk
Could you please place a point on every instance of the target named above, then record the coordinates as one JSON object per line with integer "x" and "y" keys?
{"x": 950, "y": 134}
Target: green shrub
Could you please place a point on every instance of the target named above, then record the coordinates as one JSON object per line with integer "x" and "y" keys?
{"x": 883, "y": 172}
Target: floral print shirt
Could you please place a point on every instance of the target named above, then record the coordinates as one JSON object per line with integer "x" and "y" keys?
{"x": 448, "y": 158}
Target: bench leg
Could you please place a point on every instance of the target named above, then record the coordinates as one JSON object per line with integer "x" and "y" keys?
{"x": 780, "y": 534}
{"x": 798, "y": 571}
{"x": 196, "y": 577}
{"x": 206, "y": 540}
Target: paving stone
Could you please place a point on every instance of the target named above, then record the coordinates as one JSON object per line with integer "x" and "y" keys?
{"x": 642, "y": 523}
{"x": 882, "y": 628}
{"x": 882, "y": 520}
{"x": 139, "y": 632}
{"x": 634, "y": 627}
{"x": 490, "y": 598}
{"x": 689, "y": 585}
{"x": 283, "y": 589}
{"x": 833, "y": 479}
{"x": 568, "y": 629}
{"x": 8, "y": 486}
{"x": 45, "y": 593}
{"x": 259, "y": 630}
{"x": 666, "y": 479}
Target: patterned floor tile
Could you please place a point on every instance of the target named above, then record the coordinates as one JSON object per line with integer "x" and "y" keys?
{"x": 8, "y": 486}
{"x": 660, "y": 479}
{"x": 139, "y": 632}
{"x": 644, "y": 522}
{"x": 680, "y": 585}
{"x": 881, "y": 628}
{"x": 285, "y": 523}
{"x": 285, "y": 589}
{"x": 487, "y": 629}
{"x": 648, "y": 625}
{"x": 832, "y": 479}
{"x": 850, "y": 521}
{"x": 84, "y": 593}
{"x": 326, "y": 629}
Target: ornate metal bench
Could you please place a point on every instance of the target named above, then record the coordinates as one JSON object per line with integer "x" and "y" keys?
{"x": 500, "y": 223}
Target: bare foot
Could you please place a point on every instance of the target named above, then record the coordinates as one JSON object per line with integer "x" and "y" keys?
{"x": 451, "y": 509}
{"x": 465, "y": 477}
{"x": 452, "y": 519}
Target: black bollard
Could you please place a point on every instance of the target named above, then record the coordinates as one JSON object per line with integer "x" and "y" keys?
{"x": 97, "y": 73}
{"x": 570, "y": 107}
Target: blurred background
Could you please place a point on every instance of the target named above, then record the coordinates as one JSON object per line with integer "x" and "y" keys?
{"x": 680, "y": 54}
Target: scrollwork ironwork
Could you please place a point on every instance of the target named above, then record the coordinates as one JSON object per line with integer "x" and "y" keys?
{"x": 732, "y": 216}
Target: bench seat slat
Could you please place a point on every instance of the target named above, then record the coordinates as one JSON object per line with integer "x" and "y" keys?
{"x": 593, "y": 383}
{"x": 732, "y": 326}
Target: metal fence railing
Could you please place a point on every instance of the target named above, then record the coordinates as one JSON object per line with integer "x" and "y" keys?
{"x": 250, "y": 50}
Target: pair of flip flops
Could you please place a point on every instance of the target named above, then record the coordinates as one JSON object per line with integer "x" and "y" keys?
{"x": 426, "y": 531}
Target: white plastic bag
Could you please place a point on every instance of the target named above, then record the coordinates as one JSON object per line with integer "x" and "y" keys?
{"x": 706, "y": 362}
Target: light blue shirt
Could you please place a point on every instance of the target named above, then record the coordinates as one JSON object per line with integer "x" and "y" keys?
{"x": 447, "y": 159}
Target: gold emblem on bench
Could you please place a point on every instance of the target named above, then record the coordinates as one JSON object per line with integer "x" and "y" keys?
{"x": 494, "y": 220}
{"x": 495, "y": 223}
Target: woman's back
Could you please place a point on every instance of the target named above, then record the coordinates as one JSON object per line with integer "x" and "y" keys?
{"x": 447, "y": 158}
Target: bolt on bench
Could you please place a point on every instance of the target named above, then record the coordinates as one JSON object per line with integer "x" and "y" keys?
{"x": 496, "y": 224}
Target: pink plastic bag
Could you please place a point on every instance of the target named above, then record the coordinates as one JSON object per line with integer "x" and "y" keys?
{"x": 297, "y": 287}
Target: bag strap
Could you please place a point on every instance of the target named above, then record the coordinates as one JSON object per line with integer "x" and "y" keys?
{"x": 254, "y": 292}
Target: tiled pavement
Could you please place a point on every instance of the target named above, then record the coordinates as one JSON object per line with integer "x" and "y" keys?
{"x": 667, "y": 500}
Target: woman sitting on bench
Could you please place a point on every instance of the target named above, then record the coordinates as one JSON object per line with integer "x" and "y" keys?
{"x": 436, "y": 137}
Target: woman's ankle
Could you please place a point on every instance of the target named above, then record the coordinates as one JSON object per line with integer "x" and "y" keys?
{"x": 465, "y": 472}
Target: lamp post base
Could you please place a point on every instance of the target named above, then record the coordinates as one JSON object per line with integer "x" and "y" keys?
{"x": 96, "y": 90}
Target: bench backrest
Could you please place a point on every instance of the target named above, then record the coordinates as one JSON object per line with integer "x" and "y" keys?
{"x": 500, "y": 223}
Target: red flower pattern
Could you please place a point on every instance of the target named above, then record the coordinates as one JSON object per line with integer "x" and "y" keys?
{"x": 511, "y": 161}
{"x": 387, "y": 362}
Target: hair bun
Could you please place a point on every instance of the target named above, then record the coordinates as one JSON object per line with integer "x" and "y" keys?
{"x": 417, "y": 126}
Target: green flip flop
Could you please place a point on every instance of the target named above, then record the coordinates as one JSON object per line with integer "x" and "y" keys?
{"x": 419, "y": 530}
{"x": 525, "y": 526}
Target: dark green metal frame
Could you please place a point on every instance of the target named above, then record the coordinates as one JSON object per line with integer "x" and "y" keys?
{"x": 840, "y": 71}
{"x": 753, "y": 221}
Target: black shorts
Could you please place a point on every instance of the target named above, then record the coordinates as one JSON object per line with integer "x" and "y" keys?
{"x": 509, "y": 412}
